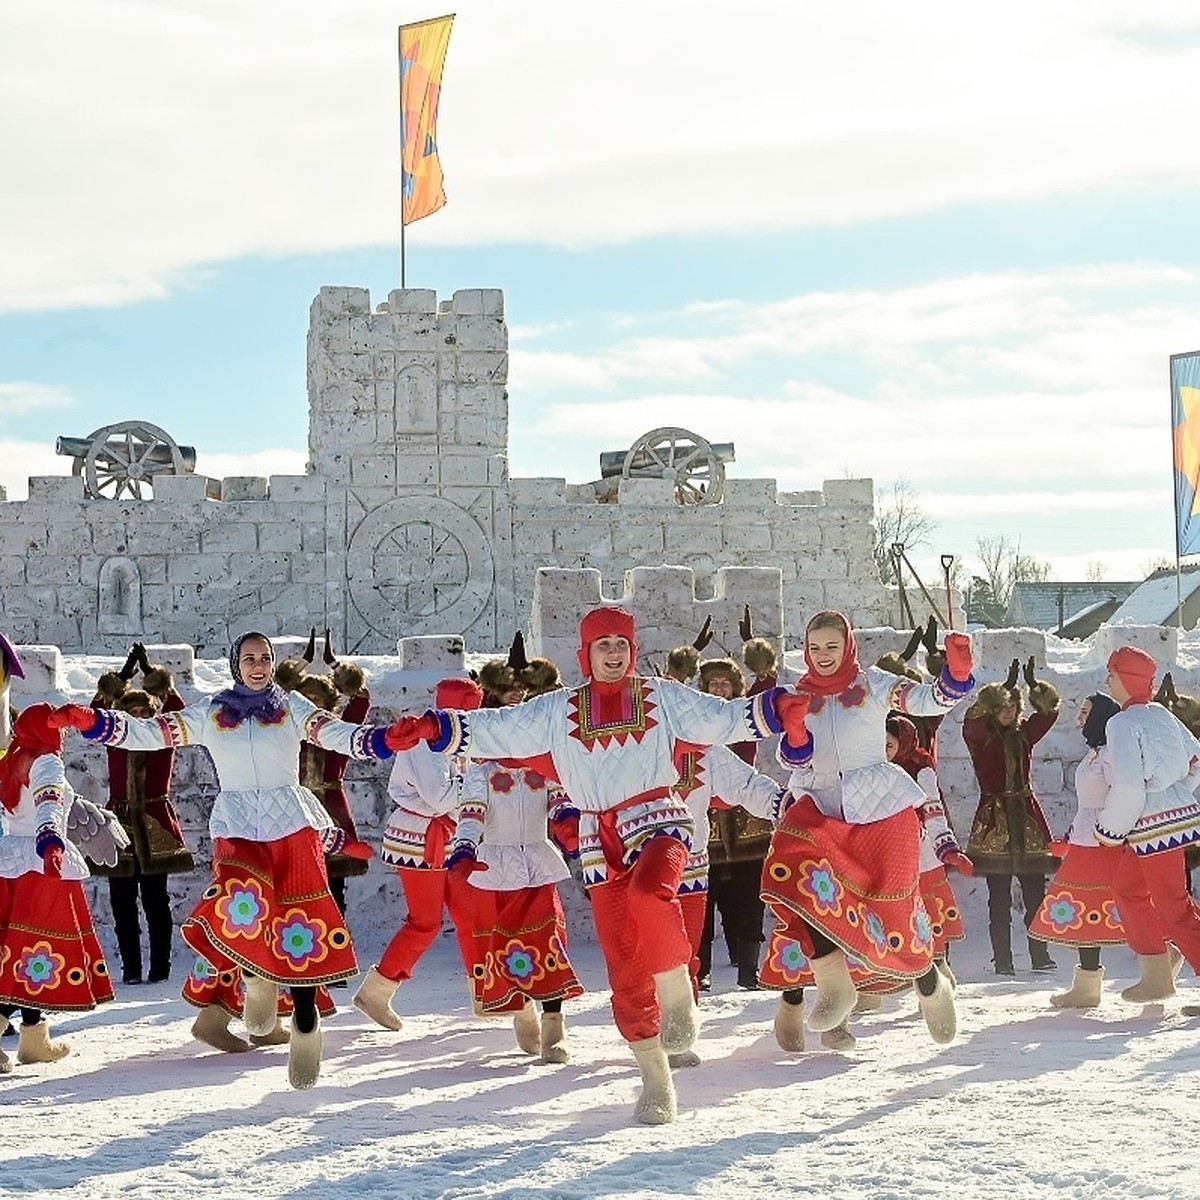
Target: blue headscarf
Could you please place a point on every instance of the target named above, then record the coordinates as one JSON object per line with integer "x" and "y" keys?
{"x": 265, "y": 705}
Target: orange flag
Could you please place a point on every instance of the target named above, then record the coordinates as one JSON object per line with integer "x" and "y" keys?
{"x": 422, "y": 56}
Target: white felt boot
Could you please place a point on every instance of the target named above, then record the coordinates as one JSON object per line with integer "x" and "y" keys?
{"x": 277, "y": 1037}
{"x": 211, "y": 1027}
{"x": 835, "y": 992}
{"x": 656, "y": 1105}
{"x": 528, "y": 1029}
{"x": 938, "y": 1010}
{"x": 554, "y": 1038}
{"x": 374, "y": 997}
{"x": 943, "y": 966}
{"x": 5, "y": 1061}
{"x": 677, "y": 1009}
{"x": 35, "y": 1046}
{"x": 867, "y": 1002}
{"x": 304, "y": 1056}
{"x": 789, "y": 1025}
{"x": 1084, "y": 991}
{"x": 839, "y": 1038}
{"x": 1157, "y": 981}
{"x": 262, "y": 1004}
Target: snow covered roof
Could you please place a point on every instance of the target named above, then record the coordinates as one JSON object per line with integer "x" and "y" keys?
{"x": 1155, "y": 601}
{"x": 1036, "y": 605}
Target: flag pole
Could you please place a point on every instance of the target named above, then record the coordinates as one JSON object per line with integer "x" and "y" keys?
{"x": 1175, "y": 482}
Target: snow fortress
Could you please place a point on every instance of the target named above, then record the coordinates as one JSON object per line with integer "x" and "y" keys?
{"x": 407, "y": 523}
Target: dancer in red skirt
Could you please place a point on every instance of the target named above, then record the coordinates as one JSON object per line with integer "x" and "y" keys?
{"x": 50, "y": 959}
{"x": 939, "y": 846}
{"x": 612, "y": 743}
{"x": 843, "y": 875}
{"x": 1080, "y": 908}
{"x": 268, "y": 910}
{"x": 425, "y": 788}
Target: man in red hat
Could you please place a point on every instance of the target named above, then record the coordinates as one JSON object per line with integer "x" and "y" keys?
{"x": 613, "y": 743}
{"x": 1151, "y": 808}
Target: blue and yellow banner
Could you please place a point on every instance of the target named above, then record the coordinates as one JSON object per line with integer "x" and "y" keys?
{"x": 1185, "y": 421}
{"x": 422, "y": 57}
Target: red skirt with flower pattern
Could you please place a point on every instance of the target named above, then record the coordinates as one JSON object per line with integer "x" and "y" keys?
{"x": 859, "y": 885}
{"x": 1080, "y": 908}
{"x": 50, "y": 957}
{"x": 269, "y": 910}
{"x": 521, "y": 938}
{"x": 206, "y": 985}
{"x": 945, "y": 917}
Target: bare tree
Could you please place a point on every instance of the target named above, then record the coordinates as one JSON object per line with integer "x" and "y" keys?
{"x": 1004, "y": 566}
{"x": 1096, "y": 572}
{"x": 899, "y": 518}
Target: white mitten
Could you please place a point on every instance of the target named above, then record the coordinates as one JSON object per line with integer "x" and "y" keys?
{"x": 96, "y": 832}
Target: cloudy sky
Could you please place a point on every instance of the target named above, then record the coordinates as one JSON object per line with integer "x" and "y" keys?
{"x": 945, "y": 243}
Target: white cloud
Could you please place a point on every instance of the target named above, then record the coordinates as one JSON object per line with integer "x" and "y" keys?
{"x": 21, "y": 396}
{"x": 155, "y": 138}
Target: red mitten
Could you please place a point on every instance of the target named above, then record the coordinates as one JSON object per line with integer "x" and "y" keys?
{"x": 357, "y": 849}
{"x": 74, "y": 716}
{"x": 958, "y": 656}
{"x": 52, "y": 862}
{"x": 792, "y": 709}
{"x": 405, "y": 733}
{"x": 960, "y": 862}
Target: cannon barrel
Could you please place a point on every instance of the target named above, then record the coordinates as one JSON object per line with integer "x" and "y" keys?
{"x": 158, "y": 456}
{"x": 612, "y": 462}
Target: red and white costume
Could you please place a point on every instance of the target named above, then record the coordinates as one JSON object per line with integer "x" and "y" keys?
{"x": 519, "y": 926}
{"x": 845, "y": 859}
{"x": 49, "y": 956}
{"x": 269, "y": 908}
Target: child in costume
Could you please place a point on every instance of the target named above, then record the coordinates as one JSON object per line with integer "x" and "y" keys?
{"x": 425, "y": 788}
{"x": 268, "y": 910}
{"x": 939, "y": 846}
{"x": 50, "y": 959}
{"x": 843, "y": 872}
{"x": 1009, "y": 835}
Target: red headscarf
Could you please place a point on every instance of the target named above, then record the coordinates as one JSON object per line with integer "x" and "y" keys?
{"x": 603, "y": 622}
{"x": 35, "y": 732}
{"x": 844, "y": 676}
{"x": 910, "y": 755}
{"x": 1135, "y": 668}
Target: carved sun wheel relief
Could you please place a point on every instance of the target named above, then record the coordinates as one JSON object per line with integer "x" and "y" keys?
{"x": 419, "y": 566}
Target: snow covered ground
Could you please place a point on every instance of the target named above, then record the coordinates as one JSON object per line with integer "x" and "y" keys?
{"x": 1027, "y": 1102}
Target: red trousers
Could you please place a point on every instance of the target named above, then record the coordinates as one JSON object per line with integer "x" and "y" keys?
{"x": 639, "y": 922}
{"x": 695, "y": 910}
{"x": 1171, "y": 915}
{"x": 427, "y": 891}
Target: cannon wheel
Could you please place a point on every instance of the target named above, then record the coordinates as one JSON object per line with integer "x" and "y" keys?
{"x": 118, "y": 460}
{"x": 681, "y": 456}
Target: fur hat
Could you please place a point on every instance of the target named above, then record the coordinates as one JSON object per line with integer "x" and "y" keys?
{"x": 289, "y": 673}
{"x": 540, "y": 676}
{"x": 759, "y": 656}
{"x": 995, "y": 696}
{"x": 110, "y": 687}
{"x": 136, "y": 698}
{"x": 722, "y": 668}
{"x": 158, "y": 681}
{"x": 319, "y": 689}
{"x": 894, "y": 664}
{"x": 683, "y": 662}
{"x": 349, "y": 678}
{"x": 496, "y": 677}
{"x": 935, "y": 660}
